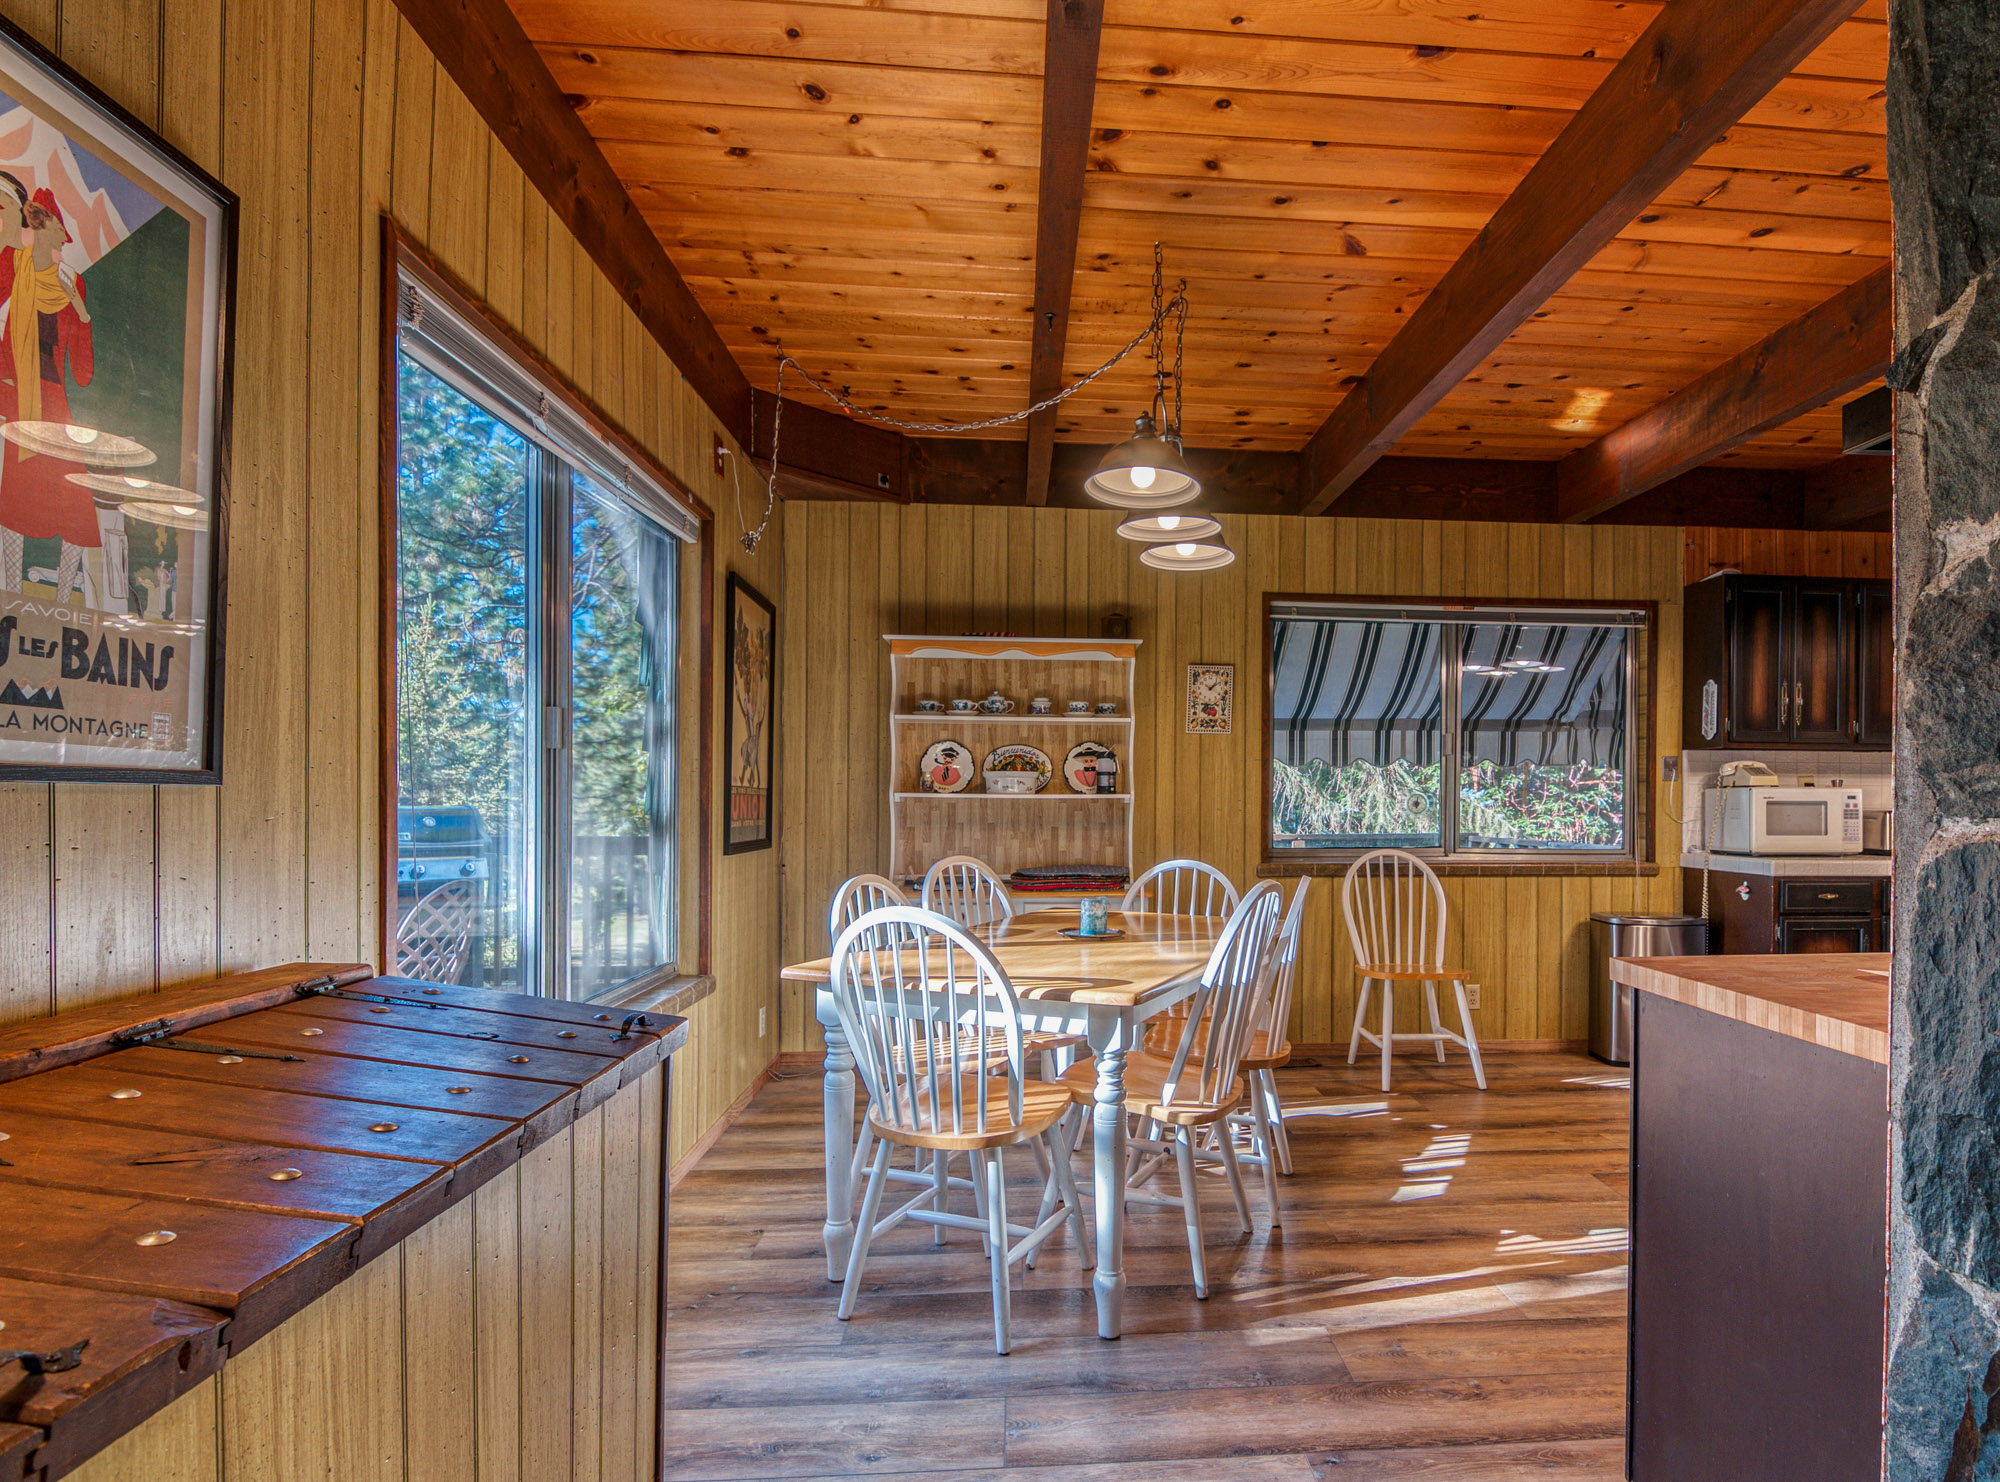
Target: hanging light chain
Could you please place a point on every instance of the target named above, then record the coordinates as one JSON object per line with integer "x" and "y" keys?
{"x": 841, "y": 400}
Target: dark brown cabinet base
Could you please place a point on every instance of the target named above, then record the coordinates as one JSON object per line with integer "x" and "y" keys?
{"x": 1765, "y": 913}
{"x": 1759, "y": 1171}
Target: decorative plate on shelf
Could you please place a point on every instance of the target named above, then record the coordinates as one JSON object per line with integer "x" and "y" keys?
{"x": 946, "y": 767}
{"x": 1080, "y": 766}
{"x": 1021, "y": 759}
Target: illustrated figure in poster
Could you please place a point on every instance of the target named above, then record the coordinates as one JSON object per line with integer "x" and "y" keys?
{"x": 752, "y": 655}
{"x": 46, "y": 337}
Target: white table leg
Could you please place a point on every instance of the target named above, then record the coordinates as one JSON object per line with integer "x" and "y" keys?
{"x": 1108, "y": 1044}
{"x": 839, "y": 1114}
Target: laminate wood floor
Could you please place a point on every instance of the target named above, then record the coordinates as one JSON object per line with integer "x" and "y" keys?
{"x": 1445, "y": 1301}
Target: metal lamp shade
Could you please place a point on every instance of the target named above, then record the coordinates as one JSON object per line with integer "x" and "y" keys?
{"x": 1189, "y": 555}
{"x": 1171, "y": 482}
{"x": 1152, "y": 529}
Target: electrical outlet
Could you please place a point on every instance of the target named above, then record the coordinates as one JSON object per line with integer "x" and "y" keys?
{"x": 720, "y": 453}
{"x": 1807, "y": 779}
{"x": 1472, "y": 995}
{"x": 1670, "y": 768}
{"x": 760, "y": 1022}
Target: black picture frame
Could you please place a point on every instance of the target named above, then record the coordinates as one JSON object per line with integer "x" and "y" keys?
{"x": 749, "y": 782}
{"x": 121, "y": 143}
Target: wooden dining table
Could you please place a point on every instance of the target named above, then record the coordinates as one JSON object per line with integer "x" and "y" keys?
{"x": 1103, "y": 990}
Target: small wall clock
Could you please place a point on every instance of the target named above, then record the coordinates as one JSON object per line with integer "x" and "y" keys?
{"x": 1211, "y": 695}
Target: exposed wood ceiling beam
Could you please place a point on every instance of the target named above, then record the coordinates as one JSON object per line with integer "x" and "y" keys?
{"x": 1852, "y": 493}
{"x": 1069, "y": 86}
{"x": 1697, "y": 69}
{"x": 483, "y": 47}
{"x": 1830, "y": 350}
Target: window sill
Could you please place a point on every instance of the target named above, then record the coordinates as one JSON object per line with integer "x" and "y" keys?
{"x": 1286, "y": 869}
{"x": 660, "y": 993}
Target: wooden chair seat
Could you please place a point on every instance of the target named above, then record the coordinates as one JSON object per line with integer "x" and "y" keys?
{"x": 1408, "y": 972}
{"x": 1042, "y": 1106}
{"x": 1258, "y": 1056}
{"x": 1146, "y": 1089}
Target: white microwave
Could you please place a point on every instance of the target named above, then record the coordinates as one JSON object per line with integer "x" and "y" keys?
{"x": 1785, "y": 820}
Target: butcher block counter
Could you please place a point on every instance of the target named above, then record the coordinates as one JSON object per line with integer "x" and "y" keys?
{"x": 1759, "y": 1187}
{"x": 376, "y": 1226}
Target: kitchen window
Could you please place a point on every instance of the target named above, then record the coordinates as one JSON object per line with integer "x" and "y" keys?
{"x": 1468, "y": 732}
{"x": 537, "y": 641}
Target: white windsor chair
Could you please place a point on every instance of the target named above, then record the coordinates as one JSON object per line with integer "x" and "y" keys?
{"x": 971, "y": 892}
{"x": 1396, "y": 921}
{"x": 898, "y": 975}
{"x": 968, "y": 891}
{"x": 1181, "y": 887}
{"x": 1270, "y": 1051}
{"x": 1176, "y": 1096}
{"x": 435, "y": 934}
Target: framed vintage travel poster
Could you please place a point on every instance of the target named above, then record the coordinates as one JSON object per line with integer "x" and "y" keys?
{"x": 1211, "y": 694}
{"x": 116, "y": 264}
{"x": 748, "y": 737}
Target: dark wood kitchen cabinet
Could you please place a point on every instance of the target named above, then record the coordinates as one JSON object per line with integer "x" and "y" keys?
{"x": 1792, "y": 661}
{"x": 1762, "y": 913}
{"x": 1875, "y": 656}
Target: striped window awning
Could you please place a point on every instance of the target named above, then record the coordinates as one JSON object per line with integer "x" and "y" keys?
{"x": 1360, "y": 682}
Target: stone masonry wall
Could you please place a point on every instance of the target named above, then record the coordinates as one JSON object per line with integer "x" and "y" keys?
{"x": 1944, "y": 1297}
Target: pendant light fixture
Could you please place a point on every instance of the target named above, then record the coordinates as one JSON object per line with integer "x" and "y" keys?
{"x": 1149, "y": 470}
{"x": 1152, "y": 529}
{"x": 1206, "y": 554}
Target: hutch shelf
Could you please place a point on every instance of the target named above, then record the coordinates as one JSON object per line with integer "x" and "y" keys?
{"x": 1010, "y": 831}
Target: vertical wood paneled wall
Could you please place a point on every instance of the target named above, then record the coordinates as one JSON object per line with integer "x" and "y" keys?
{"x": 512, "y": 1339}
{"x": 864, "y": 570}
{"x": 321, "y": 115}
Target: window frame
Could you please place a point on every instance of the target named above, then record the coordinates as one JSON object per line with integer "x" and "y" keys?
{"x": 556, "y": 417}
{"x": 1642, "y": 722}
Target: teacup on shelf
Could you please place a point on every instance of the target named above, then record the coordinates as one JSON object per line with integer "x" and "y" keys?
{"x": 1107, "y": 707}
{"x": 964, "y": 707}
{"x": 1079, "y": 707}
{"x": 930, "y": 707}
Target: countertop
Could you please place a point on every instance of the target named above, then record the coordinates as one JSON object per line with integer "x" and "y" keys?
{"x": 1838, "y": 1001}
{"x": 1797, "y": 866}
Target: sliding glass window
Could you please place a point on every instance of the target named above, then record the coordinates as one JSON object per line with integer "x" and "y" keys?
{"x": 1476, "y": 731}
{"x": 537, "y": 720}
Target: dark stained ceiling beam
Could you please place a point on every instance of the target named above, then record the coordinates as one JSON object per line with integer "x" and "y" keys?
{"x": 482, "y": 46}
{"x": 1827, "y": 352}
{"x": 1851, "y": 493}
{"x": 1069, "y": 86}
{"x": 1697, "y": 69}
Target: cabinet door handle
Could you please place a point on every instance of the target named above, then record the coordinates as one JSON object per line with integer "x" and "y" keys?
{"x": 1784, "y": 701}
{"x": 1829, "y": 895}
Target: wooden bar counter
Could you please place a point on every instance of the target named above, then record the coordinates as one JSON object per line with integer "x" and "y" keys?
{"x": 308, "y": 1222}
{"x": 1759, "y": 1186}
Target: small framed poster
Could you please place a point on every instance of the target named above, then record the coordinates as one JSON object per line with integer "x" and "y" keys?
{"x": 748, "y": 734}
{"x": 116, "y": 263}
{"x": 1211, "y": 697}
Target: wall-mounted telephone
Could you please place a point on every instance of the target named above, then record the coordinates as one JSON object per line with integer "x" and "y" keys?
{"x": 1746, "y": 774}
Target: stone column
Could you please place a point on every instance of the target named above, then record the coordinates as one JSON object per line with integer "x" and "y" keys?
{"x": 1944, "y": 1297}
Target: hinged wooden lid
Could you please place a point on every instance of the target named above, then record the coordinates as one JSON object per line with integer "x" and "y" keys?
{"x": 181, "y": 1173}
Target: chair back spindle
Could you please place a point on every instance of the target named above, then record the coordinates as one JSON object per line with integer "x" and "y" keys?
{"x": 968, "y": 891}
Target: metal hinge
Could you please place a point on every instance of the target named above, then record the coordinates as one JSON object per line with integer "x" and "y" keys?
{"x": 160, "y": 1035}
{"x": 327, "y": 988}
{"x": 55, "y": 1361}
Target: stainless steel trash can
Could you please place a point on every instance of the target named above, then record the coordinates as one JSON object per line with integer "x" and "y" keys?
{"x": 1616, "y": 935}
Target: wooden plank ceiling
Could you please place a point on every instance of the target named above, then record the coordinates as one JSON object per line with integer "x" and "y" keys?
{"x": 860, "y": 181}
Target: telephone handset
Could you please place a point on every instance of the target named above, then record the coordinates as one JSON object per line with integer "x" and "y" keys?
{"x": 1746, "y": 774}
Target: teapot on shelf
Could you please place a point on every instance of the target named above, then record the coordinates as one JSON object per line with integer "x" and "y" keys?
{"x": 997, "y": 704}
